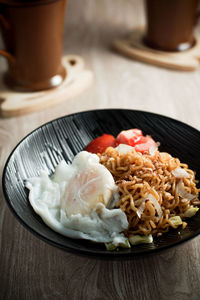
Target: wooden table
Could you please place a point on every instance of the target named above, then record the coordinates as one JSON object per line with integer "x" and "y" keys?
{"x": 30, "y": 268}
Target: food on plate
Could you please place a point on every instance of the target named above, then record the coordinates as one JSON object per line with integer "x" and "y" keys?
{"x": 78, "y": 200}
{"x": 125, "y": 194}
{"x": 155, "y": 191}
{"x": 132, "y": 137}
{"x": 100, "y": 144}
{"x": 135, "y": 138}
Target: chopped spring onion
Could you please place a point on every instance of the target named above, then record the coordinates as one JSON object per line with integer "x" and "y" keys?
{"x": 190, "y": 212}
{"x": 176, "y": 220}
{"x": 111, "y": 246}
{"x": 140, "y": 239}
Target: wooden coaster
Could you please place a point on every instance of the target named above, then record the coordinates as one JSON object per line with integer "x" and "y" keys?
{"x": 17, "y": 103}
{"x": 134, "y": 47}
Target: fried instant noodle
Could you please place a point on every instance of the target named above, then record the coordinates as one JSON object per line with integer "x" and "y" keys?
{"x": 152, "y": 189}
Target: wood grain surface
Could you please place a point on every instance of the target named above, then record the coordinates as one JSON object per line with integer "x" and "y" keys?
{"x": 31, "y": 269}
{"x": 135, "y": 48}
{"x": 78, "y": 79}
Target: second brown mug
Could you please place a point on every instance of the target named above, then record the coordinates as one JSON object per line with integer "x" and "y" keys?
{"x": 170, "y": 24}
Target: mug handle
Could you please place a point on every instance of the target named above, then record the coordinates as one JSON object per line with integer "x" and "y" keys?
{"x": 8, "y": 56}
{"x": 4, "y": 53}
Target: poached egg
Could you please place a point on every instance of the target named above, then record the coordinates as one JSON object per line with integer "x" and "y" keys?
{"x": 77, "y": 200}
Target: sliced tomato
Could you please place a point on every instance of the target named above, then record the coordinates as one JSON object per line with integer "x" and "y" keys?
{"x": 147, "y": 143}
{"x": 141, "y": 140}
{"x": 135, "y": 138}
{"x": 100, "y": 144}
{"x": 129, "y": 137}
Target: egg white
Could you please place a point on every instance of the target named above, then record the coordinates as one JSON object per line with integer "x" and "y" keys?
{"x": 79, "y": 206}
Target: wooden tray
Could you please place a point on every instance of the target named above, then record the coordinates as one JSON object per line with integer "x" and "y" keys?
{"x": 14, "y": 103}
{"x": 134, "y": 48}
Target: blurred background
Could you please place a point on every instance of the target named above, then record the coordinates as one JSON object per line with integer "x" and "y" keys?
{"x": 90, "y": 28}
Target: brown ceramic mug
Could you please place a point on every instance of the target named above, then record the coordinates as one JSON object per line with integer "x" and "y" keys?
{"x": 170, "y": 24}
{"x": 32, "y": 32}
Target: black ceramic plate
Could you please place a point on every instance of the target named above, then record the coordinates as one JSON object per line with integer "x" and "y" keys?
{"x": 64, "y": 138}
